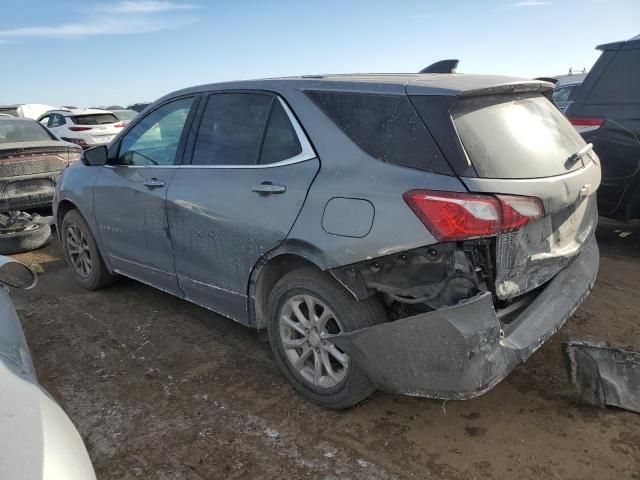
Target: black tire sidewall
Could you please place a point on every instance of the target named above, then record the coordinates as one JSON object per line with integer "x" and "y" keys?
{"x": 25, "y": 240}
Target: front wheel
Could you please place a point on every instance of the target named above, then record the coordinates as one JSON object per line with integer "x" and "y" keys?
{"x": 82, "y": 254}
{"x": 305, "y": 308}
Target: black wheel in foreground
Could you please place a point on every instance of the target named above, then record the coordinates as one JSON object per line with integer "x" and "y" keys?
{"x": 33, "y": 236}
{"x": 305, "y": 307}
{"x": 82, "y": 254}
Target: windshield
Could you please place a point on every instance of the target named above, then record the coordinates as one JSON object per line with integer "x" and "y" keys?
{"x": 15, "y": 131}
{"x": 516, "y": 136}
{"x": 94, "y": 119}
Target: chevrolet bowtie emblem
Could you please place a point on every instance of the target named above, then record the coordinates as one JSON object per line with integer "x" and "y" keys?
{"x": 586, "y": 190}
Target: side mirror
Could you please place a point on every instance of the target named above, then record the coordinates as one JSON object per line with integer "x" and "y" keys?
{"x": 95, "y": 157}
{"x": 16, "y": 274}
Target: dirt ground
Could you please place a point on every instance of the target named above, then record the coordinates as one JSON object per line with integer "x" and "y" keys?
{"x": 163, "y": 389}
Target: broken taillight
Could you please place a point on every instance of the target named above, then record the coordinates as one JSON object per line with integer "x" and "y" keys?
{"x": 586, "y": 124}
{"x": 457, "y": 216}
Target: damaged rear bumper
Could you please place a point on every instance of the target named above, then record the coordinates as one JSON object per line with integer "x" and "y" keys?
{"x": 460, "y": 352}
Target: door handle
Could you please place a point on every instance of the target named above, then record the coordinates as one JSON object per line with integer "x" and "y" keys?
{"x": 268, "y": 188}
{"x": 153, "y": 183}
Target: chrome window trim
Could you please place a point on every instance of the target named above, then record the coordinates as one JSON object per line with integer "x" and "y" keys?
{"x": 307, "y": 152}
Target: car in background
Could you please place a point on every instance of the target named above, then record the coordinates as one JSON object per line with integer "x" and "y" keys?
{"x": 125, "y": 116}
{"x": 139, "y": 107}
{"x": 28, "y": 110}
{"x": 31, "y": 160}
{"x": 562, "y": 93}
{"x": 605, "y": 109}
{"x": 85, "y": 128}
{"x": 37, "y": 439}
{"x": 424, "y": 254}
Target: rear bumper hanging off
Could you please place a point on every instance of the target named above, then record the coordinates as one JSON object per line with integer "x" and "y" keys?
{"x": 461, "y": 352}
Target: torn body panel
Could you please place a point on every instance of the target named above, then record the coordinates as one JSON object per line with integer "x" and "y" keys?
{"x": 604, "y": 374}
{"x": 462, "y": 351}
{"x": 531, "y": 256}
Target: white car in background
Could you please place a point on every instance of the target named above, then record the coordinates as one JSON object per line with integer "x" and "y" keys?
{"x": 86, "y": 128}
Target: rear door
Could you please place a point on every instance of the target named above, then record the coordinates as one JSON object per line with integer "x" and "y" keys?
{"x": 251, "y": 166}
{"x": 130, "y": 196}
{"x": 606, "y": 111}
{"x": 521, "y": 144}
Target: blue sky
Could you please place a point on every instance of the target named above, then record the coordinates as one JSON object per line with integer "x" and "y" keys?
{"x": 85, "y": 52}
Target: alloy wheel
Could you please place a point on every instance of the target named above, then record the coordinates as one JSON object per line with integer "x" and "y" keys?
{"x": 78, "y": 250}
{"x": 305, "y": 326}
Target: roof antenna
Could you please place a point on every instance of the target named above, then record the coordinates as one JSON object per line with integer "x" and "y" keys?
{"x": 443, "y": 66}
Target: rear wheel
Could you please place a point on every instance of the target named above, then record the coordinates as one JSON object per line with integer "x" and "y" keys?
{"x": 305, "y": 308}
{"x": 82, "y": 254}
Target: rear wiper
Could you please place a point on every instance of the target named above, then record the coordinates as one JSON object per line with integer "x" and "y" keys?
{"x": 571, "y": 161}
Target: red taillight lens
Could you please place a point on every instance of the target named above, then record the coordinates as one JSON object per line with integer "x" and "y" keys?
{"x": 120, "y": 125}
{"x": 79, "y": 129}
{"x": 586, "y": 124}
{"x": 458, "y": 216}
{"x": 517, "y": 211}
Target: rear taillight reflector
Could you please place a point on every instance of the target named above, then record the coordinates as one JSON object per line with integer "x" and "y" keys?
{"x": 120, "y": 125}
{"x": 453, "y": 216}
{"x": 586, "y": 124}
{"x": 79, "y": 129}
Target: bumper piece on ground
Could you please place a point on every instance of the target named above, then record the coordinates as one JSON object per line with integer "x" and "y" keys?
{"x": 463, "y": 351}
{"x": 604, "y": 374}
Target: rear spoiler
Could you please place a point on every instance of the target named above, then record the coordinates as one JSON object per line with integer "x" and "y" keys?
{"x": 507, "y": 88}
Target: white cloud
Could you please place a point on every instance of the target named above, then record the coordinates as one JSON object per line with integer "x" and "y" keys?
{"x": 142, "y": 16}
{"x": 148, "y": 6}
{"x": 530, "y": 3}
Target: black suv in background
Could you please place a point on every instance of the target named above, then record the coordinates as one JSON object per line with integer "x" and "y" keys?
{"x": 605, "y": 109}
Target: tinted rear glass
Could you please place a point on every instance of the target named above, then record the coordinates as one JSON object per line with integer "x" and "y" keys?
{"x": 280, "y": 140}
{"x": 620, "y": 79}
{"x": 95, "y": 119}
{"x": 385, "y": 126}
{"x": 14, "y": 131}
{"x": 231, "y": 129}
{"x": 515, "y": 136}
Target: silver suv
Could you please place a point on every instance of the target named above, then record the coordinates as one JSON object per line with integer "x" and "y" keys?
{"x": 420, "y": 234}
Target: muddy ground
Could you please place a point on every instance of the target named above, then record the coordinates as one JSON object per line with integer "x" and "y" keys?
{"x": 163, "y": 389}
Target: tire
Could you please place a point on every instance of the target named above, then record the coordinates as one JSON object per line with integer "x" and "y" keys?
{"x": 75, "y": 231}
{"x": 345, "y": 386}
{"x": 36, "y": 235}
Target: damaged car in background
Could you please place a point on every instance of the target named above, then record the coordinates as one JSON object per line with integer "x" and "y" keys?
{"x": 31, "y": 159}
{"x": 415, "y": 233}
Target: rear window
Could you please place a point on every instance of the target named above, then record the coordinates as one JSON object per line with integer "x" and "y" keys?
{"x": 620, "y": 79}
{"x": 385, "y": 126}
{"x": 16, "y": 131}
{"x": 94, "y": 119}
{"x": 515, "y": 136}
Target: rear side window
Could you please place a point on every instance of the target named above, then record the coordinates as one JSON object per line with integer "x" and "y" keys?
{"x": 280, "y": 140}
{"x": 384, "y": 126}
{"x": 231, "y": 129}
{"x": 515, "y": 136}
{"x": 620, "y": 79}
{"x": 95, "y": 119}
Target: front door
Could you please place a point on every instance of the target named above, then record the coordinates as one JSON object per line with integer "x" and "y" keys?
{"x": 130, "y": 196}
{"x": 249, "y": 175}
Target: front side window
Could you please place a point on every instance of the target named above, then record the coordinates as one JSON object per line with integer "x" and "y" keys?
{"x": 231, "y": 129}
{"x": 154, "y": 140}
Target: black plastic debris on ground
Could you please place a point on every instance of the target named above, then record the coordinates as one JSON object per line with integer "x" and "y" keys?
{"x": 603, "y": 374}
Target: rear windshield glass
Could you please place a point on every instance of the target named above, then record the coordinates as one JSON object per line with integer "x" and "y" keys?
{"x": 384, "y": 126}
{"x": 515, "y": 136}
{"x": 14, "y": 131}
{"x": 94, "y": 119}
